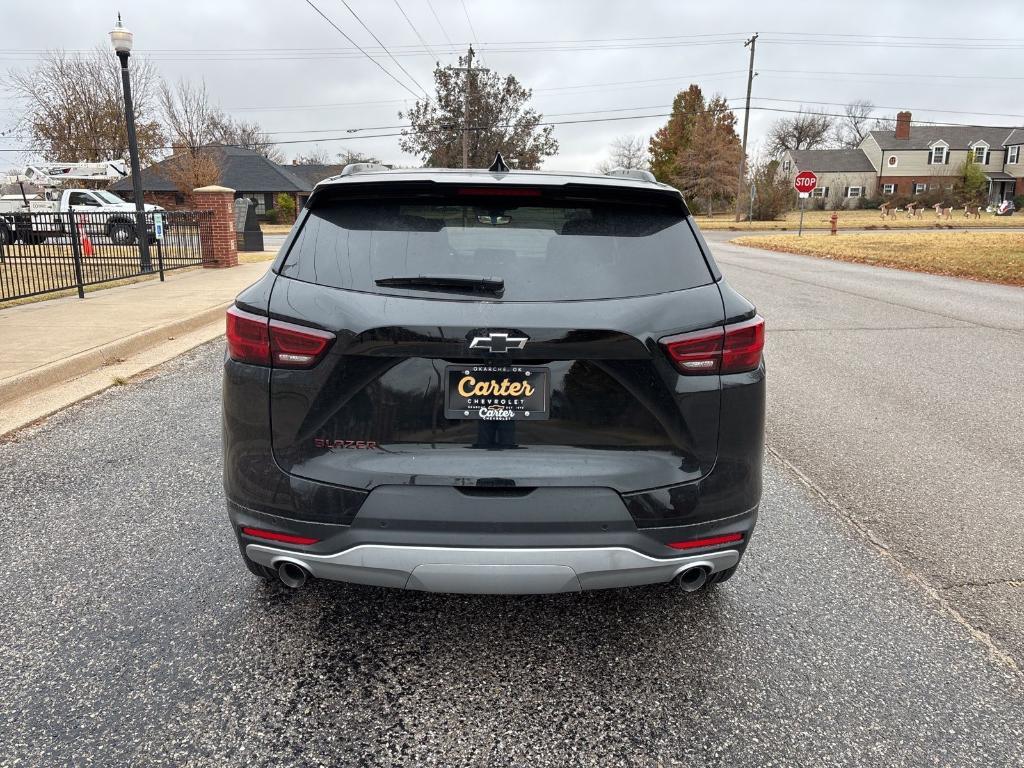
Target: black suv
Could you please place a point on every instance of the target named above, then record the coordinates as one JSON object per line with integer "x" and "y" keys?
{"x": 495, "y": 382}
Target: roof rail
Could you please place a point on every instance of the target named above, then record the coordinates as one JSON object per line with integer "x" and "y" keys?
{"x": 633, "y": 173}
{"x": 351, "y": 168}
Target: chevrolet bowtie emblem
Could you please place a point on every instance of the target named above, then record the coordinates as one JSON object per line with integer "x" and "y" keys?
{"x": 498, "y": 342}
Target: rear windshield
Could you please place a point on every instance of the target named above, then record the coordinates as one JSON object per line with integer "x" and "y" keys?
{"x": 540, "y": 250}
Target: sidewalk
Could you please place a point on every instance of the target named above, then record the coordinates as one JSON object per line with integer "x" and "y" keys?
{"x": 47, "y": 343}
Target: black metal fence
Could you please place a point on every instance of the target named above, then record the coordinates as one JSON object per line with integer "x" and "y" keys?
{"x": 49, "y": 252}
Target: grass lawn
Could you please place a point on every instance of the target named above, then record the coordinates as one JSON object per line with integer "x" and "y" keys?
{"x": 249, "y": 257}
{"x": 867, "y": 219}
{"x": 996, "y": 257}
{"x": 275, "y": 229}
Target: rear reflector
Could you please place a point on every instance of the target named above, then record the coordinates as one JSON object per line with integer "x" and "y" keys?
{"x": 731, "y": 349}
{"x": 285, "y": 538}
{"x": 711, "y": 541}
{"x": 259, "y": 341}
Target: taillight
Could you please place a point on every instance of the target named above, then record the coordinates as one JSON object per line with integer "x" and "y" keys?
{"x": 731, "y": 349}
{"x": 285, "y": 538}
{"x": 256, "y": 340}
{"x": 710, "y": 541}
{"x": 295, "y": 346}
{"x": 248, "y": 337}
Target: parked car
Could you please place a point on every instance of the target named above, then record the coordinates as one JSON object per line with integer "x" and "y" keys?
{"x": 494, "y": 382}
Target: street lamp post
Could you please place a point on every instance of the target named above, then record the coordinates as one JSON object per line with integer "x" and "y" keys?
{"x": 121, "y": 39}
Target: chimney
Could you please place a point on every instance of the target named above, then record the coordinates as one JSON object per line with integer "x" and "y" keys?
{"x": 903, "y": 125}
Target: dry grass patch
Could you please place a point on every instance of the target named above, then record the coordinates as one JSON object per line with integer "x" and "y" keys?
{"x": 275, "y": 229}
{"x": 996, "y": 257}
{"x": 250, "y": 257}
{"x": 866, "y": 219}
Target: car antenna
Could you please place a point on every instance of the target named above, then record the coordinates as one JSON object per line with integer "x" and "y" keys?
{"x": 498, "y": 166}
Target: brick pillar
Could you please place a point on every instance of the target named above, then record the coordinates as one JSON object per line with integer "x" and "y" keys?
{"x": 218, "y": 236}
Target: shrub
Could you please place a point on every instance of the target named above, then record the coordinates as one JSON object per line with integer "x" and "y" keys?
{"x": 284, "y": 208}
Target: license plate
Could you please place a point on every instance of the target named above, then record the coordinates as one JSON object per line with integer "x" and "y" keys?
{"x": 496, "y": 392}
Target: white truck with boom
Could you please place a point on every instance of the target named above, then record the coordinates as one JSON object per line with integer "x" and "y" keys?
{"x": 32, "y": 218}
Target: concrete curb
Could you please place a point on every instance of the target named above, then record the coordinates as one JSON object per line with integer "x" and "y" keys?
{"x": 18, "y": 414}
{"x": 61, "y": 371}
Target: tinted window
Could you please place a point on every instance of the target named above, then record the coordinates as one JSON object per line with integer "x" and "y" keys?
{"x": 542, "y": 251}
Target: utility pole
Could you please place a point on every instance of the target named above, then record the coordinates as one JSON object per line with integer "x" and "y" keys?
{"x": 465, "y": 106}
{"x": 752, "y": 42}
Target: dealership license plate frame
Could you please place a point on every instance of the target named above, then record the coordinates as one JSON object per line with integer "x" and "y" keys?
{"x": 535, "y": 407}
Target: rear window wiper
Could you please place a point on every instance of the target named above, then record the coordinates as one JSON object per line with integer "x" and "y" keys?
{"x": 469, "y": 283}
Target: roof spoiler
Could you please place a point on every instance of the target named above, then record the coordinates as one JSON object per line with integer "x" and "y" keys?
{"x": 632, "y": 173}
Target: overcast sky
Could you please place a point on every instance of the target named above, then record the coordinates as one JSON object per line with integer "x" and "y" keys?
{"x": 283, "y": 65}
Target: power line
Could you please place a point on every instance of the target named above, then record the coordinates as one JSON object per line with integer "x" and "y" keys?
{"x": 397, "y": 62}
{"x": 418, "y": 35}
{"x": 454, "y": 127}
{"x": 444, "y": 32}
{"x": 379, "y": 65}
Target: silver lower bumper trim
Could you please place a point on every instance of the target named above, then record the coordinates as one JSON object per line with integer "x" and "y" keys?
{"x": 492, "y": 570}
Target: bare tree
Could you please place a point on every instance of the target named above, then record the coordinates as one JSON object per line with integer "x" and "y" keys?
{"x": 315, "y": 156}
{"x": 626, "y": 152}
{"x": 248, "y": 135}
{"x": 73, "y": 107}
{"x": 804, "y": 130}
{"x": 886, "y": 123}
{"x": 349, "y": 156}
{"x": 187, "y": 172}
{"x": 851, "y": 129}
{"x": 193, "y": 121}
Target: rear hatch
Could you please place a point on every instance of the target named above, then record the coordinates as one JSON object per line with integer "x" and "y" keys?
{"x": 495, "y": 336}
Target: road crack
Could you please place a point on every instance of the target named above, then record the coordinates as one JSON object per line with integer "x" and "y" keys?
{"x": 883, "y": 549}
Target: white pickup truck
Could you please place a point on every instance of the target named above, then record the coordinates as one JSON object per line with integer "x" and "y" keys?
{"x": 30, "y": 219}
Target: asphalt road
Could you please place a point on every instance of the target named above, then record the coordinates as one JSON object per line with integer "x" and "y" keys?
{"x": 900, "y": 396}
{"x": 132, "y": 635}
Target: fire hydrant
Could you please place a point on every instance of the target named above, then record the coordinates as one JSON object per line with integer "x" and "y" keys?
{"x": 834, "y": 219}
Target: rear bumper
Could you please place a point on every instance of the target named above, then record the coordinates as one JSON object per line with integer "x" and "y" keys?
{"x": 492, "y": 570}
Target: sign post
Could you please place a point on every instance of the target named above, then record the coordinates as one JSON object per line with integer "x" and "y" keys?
{"x": 804, "y": 183}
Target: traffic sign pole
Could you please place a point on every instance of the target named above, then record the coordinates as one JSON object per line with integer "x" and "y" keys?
{"x": 804, "y": 183}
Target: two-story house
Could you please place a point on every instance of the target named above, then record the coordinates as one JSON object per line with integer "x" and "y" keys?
{"x": 914, "y": 160}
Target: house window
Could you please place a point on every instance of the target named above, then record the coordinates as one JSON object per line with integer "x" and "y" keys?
{"x": 938, "y": 156}
{"x": 1013, "y": 154}
{"x": 979, "y": 153}
{"x": 786, "y": 165}
{"x": 854, "y": 191}
{"x": 888, "y": 189}
{"x": 919, "y": 188}
{"x": 259, "y": 201}
{"x": 893, "y": 161}
{"x": 820, "y": 192}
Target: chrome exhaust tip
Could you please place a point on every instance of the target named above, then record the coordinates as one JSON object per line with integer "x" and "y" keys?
{"x": 693, "y": 578}
{"x": 292, "y": 575}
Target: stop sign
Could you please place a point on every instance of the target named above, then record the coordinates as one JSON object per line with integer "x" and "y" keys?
{"x": 805, "y": 181}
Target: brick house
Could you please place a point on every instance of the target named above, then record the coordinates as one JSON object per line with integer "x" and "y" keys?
{"x": 247, "y": 172}
{"x": 921, "y": 159}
